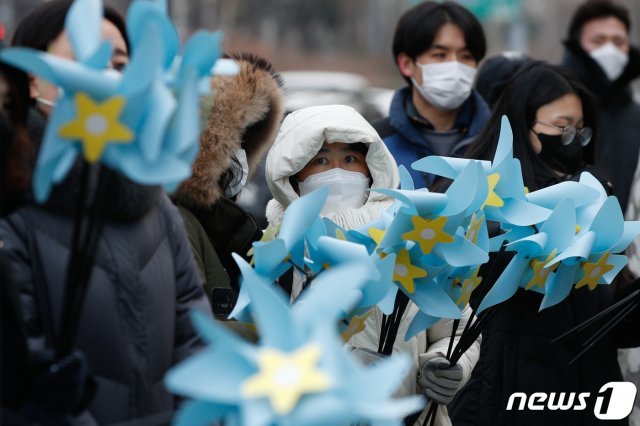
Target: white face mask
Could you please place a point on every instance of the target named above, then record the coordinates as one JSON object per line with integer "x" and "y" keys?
{"x": 611, "y": 59}
{"x": 235, "y": 188}
{"x": 446, "y": 85}
{"x": 346, "y": 189}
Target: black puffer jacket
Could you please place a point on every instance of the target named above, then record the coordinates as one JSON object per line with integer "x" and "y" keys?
{"x": 517, "y": 355}
{"x": 135, "y": 323}
{"x": 618, "y": 143}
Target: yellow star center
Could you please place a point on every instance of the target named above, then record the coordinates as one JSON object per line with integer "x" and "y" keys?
{"x": 468, "y": 286}
{"x": 428, "y": 233}
{"x": 285, "y": 377}
{"x": 96, "y": 125}
{"x": 540, "y": 273}
{"x": 493, "y": 199}
{"x": 405, "y": 273}
{"x": 594, "y": 271}
{"x": 474, "y": 228}
{"x": 269, "y": 234}
{"x": 340, "y": 235}
{"x": 356, "y": 325}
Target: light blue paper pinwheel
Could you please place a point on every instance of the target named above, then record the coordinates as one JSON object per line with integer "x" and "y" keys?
{"x": 299, "y": 374}
{"x": 274, "y": 258}
{"x": 427, "y": 236}
{"x": 592, "y": 259}
{"x": 131, "y": 122}
{"x": 506, "y": 201}
{"x": 528, "y": 268}
{"x": 379, "y": 290}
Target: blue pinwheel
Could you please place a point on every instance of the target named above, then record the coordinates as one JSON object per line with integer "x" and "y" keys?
{"x": 427, "y": 236}
{"x": 131, "y": 122}
{"x": 528, "y": 268}
{"x": 506, "y": 201}
{"x": 298, "y": 374}
{"x": 273, "y": 258}
{"x": 591, "y": 259}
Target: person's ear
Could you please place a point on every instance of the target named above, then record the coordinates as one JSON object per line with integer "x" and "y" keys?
{"x": 33, "y": 87}
{"x": 405, "y": 64}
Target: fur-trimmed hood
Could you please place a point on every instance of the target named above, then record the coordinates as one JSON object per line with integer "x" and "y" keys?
{"x": 246, "y": 113}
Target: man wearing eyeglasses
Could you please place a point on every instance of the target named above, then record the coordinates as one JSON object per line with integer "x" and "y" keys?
{"x": 597, "y": 49}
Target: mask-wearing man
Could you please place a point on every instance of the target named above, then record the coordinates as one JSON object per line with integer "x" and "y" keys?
{"x": 437, "y": 48}
{"x": 597, "y": 49}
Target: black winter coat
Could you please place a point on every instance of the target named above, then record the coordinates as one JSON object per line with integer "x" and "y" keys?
{"x": 618, "y": 139}
{"x": 135, "y": 323}
{"x": 516, "y": 354}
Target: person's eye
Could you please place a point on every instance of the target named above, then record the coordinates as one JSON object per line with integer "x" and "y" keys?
{"x": 119, "y": 66}
{"x": 321, "y": 161}
{"x": 350, "y": 159}
{"x": 438, "y": 55}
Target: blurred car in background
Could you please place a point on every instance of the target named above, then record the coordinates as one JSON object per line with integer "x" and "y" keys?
{"x": 309, "y": 88}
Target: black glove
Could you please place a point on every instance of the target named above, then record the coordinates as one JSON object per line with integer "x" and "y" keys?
{"x": 60, "y": 387}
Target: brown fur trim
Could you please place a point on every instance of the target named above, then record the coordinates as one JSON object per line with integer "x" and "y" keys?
{"x": 247, "y": 111}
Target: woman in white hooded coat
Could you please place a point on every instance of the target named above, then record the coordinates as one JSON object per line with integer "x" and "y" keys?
{"x": 334, "y": 145}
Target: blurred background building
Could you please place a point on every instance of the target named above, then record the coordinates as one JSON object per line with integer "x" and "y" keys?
{"x": 354, "y": 35}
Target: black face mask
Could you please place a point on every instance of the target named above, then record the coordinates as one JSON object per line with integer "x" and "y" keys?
{"x": 567, "y": 159}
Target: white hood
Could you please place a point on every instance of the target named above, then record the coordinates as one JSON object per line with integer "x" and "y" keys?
{"x": 301, "y": 136}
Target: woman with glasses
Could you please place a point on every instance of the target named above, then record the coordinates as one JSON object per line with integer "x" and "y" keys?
{"x": 552, "y": 117}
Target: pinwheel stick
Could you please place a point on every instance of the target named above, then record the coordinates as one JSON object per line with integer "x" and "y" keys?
{"x": 88, "y": 224}
{"x": 614, "y": 307}
{"x": 471, "y": 331}
{"x": 391, "y": 324}
{"x": 630, "y": 307}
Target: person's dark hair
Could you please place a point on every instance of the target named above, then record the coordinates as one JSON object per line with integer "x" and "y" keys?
{"x": 533, "y": 86}
{"x": 596, "y": 9}
{"x": 418, "y": 26}
{"x": 16, "y": 150}
{"x": 496, "y": 71}
{"x": 45, "y": 23}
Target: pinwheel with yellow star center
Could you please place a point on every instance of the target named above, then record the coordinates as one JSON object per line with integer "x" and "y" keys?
{"x": 299, "y": 373}
{"x": 505, "y": 200}
{"x": 131, "y": 122}
{"x": 529, "y": 267}
{"x": 593, "y": 257}
{"x": 273, "y": 258}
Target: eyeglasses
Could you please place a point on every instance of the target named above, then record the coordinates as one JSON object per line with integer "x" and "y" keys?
{"x": 570, "y": 132}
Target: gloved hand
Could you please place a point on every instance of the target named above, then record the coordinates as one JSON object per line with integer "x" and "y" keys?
{"x": 60, "y": 386}
{"x": 440, "y": 380}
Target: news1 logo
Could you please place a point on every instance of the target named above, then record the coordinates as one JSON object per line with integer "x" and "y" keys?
{"x": 614, "y": 401}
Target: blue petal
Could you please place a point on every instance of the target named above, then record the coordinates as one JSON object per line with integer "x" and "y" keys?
{"x": 561, "y": 286}
{"x": 83, "y": 25}
{"x": 608, "y": 226}
{"x": 420, "y": 323}
{"x": 210, "y": 375}
{"x": 200, "y": 413}
{"x": 70, "y": 75}
{"x": 433, "y": 300}
{"x": 300, "y": 215}
{"x": 271, "y": 309}
{"x": 142, "y": 13}
{"x": 200, "y": 53}
{"x": 507, "y": 285}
